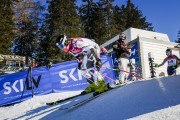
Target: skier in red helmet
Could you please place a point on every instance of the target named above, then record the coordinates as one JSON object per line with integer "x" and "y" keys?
{"x": 89, "y": 63}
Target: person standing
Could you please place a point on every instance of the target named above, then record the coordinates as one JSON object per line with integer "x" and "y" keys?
{"x": 172, "y": 60}
{"x": 122, "y": 54}
{"x": 87, "y": 53}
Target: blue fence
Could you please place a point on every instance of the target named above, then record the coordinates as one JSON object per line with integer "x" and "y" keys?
{"x": 60, "y": 77}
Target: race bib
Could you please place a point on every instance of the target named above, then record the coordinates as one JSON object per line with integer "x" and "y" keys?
{"x": 171, "y": 62}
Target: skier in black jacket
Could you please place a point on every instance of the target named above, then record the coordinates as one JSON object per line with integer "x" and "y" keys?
{"x": 122, "y": 54}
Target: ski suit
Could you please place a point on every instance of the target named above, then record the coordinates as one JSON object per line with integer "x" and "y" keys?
{"x": 172, "y": 64}
{"x": 87, "y": 53}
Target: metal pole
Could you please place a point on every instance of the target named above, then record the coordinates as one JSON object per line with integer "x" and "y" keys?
{"x": 30, "y": 68}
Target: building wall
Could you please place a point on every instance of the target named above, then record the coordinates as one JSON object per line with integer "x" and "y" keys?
{"x": 133, "y": 33}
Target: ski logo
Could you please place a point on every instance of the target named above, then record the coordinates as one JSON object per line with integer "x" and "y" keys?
{"x": 18, "y": 85}
{"x": 65, "y": 77}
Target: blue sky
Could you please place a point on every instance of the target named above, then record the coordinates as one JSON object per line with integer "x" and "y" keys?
{"x": 163, "y": 14}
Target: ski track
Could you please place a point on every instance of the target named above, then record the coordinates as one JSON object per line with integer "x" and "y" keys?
{"x": 157, "y": 98}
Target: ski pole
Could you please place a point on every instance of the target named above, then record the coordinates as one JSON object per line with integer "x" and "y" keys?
{"x": 108, "y": 77}
{"x": 123, "y": 71}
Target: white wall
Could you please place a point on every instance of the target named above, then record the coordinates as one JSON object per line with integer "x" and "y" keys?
{"x": 134, "y": 33}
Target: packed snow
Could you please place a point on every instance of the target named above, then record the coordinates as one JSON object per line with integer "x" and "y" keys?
{"x": 157, "y": 98}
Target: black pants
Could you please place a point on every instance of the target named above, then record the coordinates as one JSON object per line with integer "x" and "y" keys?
{"x": 171, "y": 70}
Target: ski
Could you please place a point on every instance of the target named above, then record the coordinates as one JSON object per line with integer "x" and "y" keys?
{"x": 87, "y": 98}
{"x": 60, "y": 101}
{"x": 63, "y": 100}
{"x": 80, "y": 103}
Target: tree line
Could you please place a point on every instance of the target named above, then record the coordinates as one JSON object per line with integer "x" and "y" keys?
{"x": 30, "y": 28}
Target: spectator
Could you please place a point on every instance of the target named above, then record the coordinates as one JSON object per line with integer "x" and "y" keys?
{"x": 132, "y": 66}
{"x": 33, "y": 64}
{"x": 172, "y": 62}
{"x": 122, "y": 54}
{"x": 48, "y": 64}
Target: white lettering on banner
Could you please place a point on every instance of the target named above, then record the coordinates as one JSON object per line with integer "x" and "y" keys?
{"x": 79, "y": 74}
{"x": 115, "y": 60}
{"x": 7, "y": 86}
{"x": 14, "y": 86}
{"x": 71, "y": 74}
{"x": 21, "y": 85}
{"x": 133, "y": 52}
{"x": 63, "y": 74}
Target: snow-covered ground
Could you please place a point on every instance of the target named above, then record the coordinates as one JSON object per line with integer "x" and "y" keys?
{"x": 140, "y": 100}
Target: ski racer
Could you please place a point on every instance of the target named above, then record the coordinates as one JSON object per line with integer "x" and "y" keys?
{"x": 122, "y": 54}
{"x": 172, "y": 60}
{"x": 87, "y": 53}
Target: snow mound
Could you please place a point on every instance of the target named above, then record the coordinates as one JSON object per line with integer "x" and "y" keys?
{"x": 157, "y": 98}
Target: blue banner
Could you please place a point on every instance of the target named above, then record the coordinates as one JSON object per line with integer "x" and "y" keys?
{"x": 17, "y": 86}
{"x": 135, "y": 55}
{"x": 134, "y": 52}
{"x": 67, "y": 77}
{"x": 60, "y": 77}
{"x": 115, "y": 62}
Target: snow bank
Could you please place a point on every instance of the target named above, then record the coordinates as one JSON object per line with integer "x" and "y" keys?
{"x": 149, "y": 99}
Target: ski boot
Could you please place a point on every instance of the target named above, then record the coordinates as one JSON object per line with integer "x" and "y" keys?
{"x": 109, "y": 86}
{"x": 102, "y": 87}
{"x": 118, "y": 82}
{"x": 91, "y": 88}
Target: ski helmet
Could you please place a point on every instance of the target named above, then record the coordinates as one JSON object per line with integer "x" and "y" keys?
{"x": 122, "y": 36}
{"x": 61, "y": 41}
{"x": 168, "y": 52}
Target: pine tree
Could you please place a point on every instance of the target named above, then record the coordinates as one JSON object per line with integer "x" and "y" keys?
{"x": 62, "y": 18}
{"x": 6, "y": 26}
{"x": 108, "y": 16}
{"x": 99, "y": 30}
{"x": 95, "y": 18}
{"x": 119, "y": 20}
{"x": 93, "y": 21}
{"x": 102, "y": 21}
{"x": 24, "y": 43}
{"x": 86, "y": 12}
{"x": 131, "y": 16}
{"x": 27, "y": 21}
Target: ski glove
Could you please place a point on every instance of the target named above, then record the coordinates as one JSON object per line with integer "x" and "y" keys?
{"x": 156, "y": 65}
{"x": 79, "y": 65}
{"x": 175, "y": 66}
{"x": 79, "y": 60}
{"x": 98, "y": 64}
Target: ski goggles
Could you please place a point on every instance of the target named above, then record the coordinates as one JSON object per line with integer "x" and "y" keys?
{"x": 61, "y": 46}
{"x": 168, "y": 52}
{"x": 122, "y": 36}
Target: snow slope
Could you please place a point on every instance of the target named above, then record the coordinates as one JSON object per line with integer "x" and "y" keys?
{"x": 145, "y": 100}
